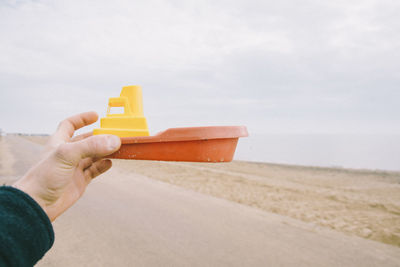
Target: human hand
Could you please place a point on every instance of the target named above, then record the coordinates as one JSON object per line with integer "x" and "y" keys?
{"x": 68, "y": 165}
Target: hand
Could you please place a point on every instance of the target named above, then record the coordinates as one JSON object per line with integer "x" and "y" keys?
{"x": 68, "y": 166}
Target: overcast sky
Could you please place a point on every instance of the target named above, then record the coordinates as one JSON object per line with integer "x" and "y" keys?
{"x": 276, "y": 66}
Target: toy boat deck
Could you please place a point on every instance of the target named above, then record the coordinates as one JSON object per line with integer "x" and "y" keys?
{"x": 198, "y": 144}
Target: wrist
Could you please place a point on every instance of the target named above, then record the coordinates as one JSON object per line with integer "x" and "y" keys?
{"x": 25, "y": 186}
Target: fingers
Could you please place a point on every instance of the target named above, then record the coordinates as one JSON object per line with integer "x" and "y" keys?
{"x": 81, "y": 136}
{"x": 97, "y": 168}
{"x": 96, "y": 146}
{"x": 68, "y": 126}
{"x": 85, "y": 163}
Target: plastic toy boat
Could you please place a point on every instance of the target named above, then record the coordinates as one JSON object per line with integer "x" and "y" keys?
{"x": 199, "y": 144}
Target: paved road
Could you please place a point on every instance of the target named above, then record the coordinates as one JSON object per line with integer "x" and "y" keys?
{"x": 129, "y": 220}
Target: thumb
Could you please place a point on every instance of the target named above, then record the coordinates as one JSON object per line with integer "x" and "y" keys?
{"x": 96, "y": 146}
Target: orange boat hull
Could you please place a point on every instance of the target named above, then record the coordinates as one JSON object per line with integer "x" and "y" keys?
{"x": 215, "y": 150}
{"x": 196, "y": 144}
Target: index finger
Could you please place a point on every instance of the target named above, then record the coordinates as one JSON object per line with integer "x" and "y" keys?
{"x": 68, "y": 126}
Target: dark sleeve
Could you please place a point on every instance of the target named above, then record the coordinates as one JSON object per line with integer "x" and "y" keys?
{"x": 26, "y": 233}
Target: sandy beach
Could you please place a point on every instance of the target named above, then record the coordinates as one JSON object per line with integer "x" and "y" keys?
{"x": 362, "y": 203}
{"x": 202, "y": 214}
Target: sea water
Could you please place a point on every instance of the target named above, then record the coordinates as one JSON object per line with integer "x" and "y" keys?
{"x": 359, "y": 151}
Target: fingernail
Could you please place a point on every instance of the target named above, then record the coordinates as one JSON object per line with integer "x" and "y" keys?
{"x": 113, "y": 142}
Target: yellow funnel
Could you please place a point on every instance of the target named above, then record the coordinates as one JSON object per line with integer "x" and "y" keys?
{"x": 131, "y": 122}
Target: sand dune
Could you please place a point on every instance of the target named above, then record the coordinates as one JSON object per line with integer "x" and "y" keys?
{"x": 239, "y": 216}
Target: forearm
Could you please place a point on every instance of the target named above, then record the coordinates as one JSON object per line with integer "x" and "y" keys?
{"x": 26, "y": 233}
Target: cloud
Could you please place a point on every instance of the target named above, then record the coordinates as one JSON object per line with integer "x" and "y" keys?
{"x": 274, "y": 66}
